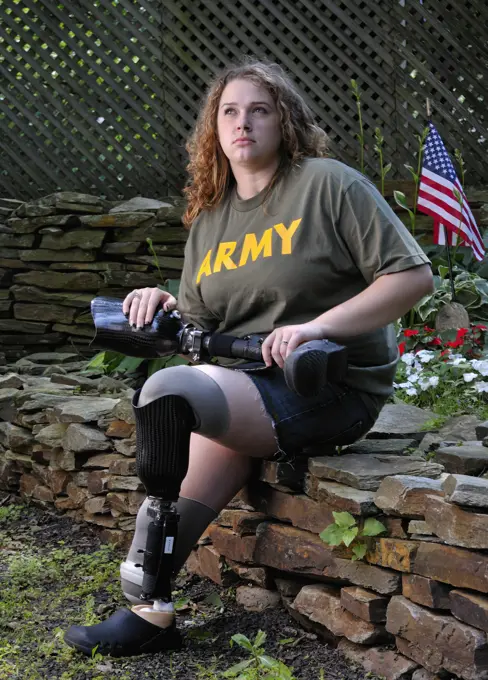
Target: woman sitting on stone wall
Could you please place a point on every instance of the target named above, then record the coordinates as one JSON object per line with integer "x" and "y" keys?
{"x": 286, "y": 243}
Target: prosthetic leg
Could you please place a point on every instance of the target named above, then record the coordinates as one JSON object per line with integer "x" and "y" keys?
{"x": 194, "y": 518}
{"x": 163, "y": 434}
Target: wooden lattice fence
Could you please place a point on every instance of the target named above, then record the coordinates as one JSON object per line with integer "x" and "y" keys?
{"x": 100, "y": 95}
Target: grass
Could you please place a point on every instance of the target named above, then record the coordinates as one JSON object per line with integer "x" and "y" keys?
{"x": 37, "y": 583}
{"x": 54, "y": 573}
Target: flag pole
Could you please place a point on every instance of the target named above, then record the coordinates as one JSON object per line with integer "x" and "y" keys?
{"x": 448, "y": 247}
{"x": 449, "y": 266}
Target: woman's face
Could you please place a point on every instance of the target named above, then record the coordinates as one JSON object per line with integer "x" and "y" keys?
{"x": 248, "y": 125}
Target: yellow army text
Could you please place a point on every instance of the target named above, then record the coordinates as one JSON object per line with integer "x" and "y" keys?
{"x": 251, "y": 248}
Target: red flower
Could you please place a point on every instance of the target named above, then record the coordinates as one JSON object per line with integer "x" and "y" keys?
{"x": 408, "y": 332}
{"x": 461, "y": 333}
{"x": 455, "y": 343}
{"x": 483, "y": 328}
{"x": 429, "y": 330}
{"x": 402, "y": 347}
{"x": 434, "y": 341}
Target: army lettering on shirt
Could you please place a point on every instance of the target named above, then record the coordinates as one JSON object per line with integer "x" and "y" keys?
{"x": 320, "y": 237}
{"x": 277, "y": 238}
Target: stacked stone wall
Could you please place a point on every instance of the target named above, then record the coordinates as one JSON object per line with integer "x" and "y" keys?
{"x": 416, "y": 606}
{"x": 59, "y": 252}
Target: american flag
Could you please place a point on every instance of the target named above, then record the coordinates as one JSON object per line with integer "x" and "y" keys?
{"x": 436, "y": 197}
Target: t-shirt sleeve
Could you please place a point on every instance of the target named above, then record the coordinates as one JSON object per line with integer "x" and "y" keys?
{"x": 190, "y": 303}
{"x": 376, "y": 239}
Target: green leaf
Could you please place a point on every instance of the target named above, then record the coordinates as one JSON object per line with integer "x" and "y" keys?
{"x": 234, "y": 670}
{"x": 165, "y": 362}
{"x": 260, "y": 638}
{"x": 332, "y": 535}
{"x": 214, "y": 599}
{"x": 129, "y": 364}
{"x": 428, "y": 306}
{"x": 359, "y": 551}
{"x": 182, "y": 603}
{"x": 386, "y": 169}
{"x": 443, "y": 271}
{"x": 399, "y": 197}
{"x": 372, "y": 527}
{"x": 267, "y": 661}
{"x": 344, "y": 519}
{"x": 286, "y": 641}
{"x": 349, "y": 535}
{"x": 98, "y": 361}
{"x": 482, "y": 288}
{"x": 242, "y": 641}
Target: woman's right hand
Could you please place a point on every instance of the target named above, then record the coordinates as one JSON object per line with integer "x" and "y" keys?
{"x": 141, "y": 304}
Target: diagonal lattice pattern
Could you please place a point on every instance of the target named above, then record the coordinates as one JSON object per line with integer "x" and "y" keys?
{"x": 100, "y": 95}
{"x": 81, "y": 86}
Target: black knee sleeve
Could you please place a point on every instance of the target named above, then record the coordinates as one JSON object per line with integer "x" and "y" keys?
{"x": 163, "y": 429}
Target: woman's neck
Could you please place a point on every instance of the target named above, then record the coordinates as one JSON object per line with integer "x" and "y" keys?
{"x": 249, "y": 181}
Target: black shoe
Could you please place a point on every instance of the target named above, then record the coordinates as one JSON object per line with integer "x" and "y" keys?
{"x": 123, "y": 634}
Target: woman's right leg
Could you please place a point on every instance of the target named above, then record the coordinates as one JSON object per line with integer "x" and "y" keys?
{"x": 217, "y": 468}
{"x": 216, "y": 472}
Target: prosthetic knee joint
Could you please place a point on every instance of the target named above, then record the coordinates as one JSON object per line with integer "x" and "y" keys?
{"x": 162, "y": 454}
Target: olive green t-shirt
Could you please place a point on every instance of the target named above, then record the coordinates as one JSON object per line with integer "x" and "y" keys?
{"x": 323, "y": 235}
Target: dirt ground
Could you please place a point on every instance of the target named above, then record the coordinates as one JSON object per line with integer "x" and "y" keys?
{"x": 54, "y": 572}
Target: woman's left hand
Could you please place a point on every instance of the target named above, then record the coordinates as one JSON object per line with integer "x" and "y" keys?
{"x": 282, "y": 341}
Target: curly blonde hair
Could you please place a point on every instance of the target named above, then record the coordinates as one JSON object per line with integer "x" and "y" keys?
{"x": 210, "y": 174}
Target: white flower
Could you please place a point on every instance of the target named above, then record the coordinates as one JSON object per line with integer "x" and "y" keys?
{"x": 412, "y": 391}
{"x": 456, "y": 361}
{"x": 481, "y": 366}
{"x": 425, "y": 383}
{"x": 469, "y": 377}
{"x": 408, "y": 358}
{"x": 414, "y": 377}
{"x": 481, "y": 386}
{"x": 425, "y": 356}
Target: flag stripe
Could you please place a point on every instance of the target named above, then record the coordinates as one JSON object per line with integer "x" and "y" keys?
{"x": 450, "y": 223}
{"x": 444, "y": 192}
{"x": 478, "y": 254}
{"x": 432, "y": 197}
{"x": 450, "y": 211}
{"x": 441, "y": 235}
{"x": 441, "y": 195}
{"x": 438, "y": 188}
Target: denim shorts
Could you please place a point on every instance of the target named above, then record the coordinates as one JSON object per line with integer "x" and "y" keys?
{"x": 336, "y": 416}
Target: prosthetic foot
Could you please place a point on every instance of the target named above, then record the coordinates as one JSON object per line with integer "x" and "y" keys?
{"x": 163, "y": 429}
